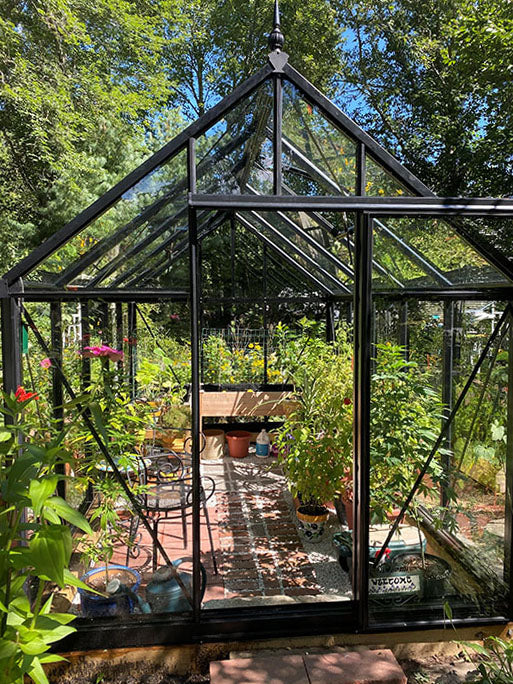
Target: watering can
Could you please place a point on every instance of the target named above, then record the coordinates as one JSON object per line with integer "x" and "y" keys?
{"x": 164, "y": 594}
{"x": 116, "y": 588}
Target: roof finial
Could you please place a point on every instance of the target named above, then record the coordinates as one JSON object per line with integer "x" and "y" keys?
{"x": 276, "y": 38}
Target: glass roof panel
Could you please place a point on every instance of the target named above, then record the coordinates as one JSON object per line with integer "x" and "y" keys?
{"x": 318, "y": 159}
{"x": 380, "y": 183}
{"x": 400, "y": 265}
{"x": 322, "y": 271}
{"x": 228, "y": 152}
{"x": 145, "y": 210}
{"x": 438, "y": 241}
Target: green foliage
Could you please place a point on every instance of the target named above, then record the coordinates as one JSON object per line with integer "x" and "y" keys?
{"x": 315, "y": 440}
{"x": 35, "y": 551}
{"x": 496, "y": 663}
{"x": 405, "y": 423}
{"x": 432, "y": 82}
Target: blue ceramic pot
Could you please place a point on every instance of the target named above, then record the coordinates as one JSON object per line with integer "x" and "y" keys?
{"x": 93, "y": 605}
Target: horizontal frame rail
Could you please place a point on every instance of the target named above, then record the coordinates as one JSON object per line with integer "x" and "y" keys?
{"x": 382, "y": 206}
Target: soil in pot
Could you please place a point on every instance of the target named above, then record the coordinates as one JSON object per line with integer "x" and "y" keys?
{"x": 436, "y": 571}
{"x": 95, "y": 605}
{"x": 99, "y": 583}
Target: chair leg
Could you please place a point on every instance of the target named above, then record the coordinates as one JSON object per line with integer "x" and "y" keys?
{"x": 209, "y": 530}
{"x": 132, "y": 535}
{"x": 155, "y": 551}
{"x": 183, "y": 504}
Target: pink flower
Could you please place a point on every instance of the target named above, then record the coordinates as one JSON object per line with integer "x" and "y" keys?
{"x": 45, "y": 363}
{"x": 347, "y": 401}
{"x": 174, "y": 317}
{"x": 104, "y": 351}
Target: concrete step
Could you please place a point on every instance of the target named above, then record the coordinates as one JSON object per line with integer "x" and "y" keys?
{"x": 350, "y": 667}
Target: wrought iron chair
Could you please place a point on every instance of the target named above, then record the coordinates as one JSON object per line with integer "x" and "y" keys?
{"x": 167, "y": 495}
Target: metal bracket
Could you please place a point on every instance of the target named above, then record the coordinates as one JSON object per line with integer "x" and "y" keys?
{"x": 278, "y": 60}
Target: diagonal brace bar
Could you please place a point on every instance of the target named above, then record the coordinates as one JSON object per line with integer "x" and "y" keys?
{"x": 443, "y": 433}
{"x": 109, "y": 459}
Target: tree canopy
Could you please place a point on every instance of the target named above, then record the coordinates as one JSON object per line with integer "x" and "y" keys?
{"x": 89, "y": 89}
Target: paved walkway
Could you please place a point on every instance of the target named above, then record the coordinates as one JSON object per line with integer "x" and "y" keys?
{"x": 260, "y": 555}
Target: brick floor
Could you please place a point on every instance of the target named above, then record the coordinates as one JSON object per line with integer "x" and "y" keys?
{"x": 256, "y": 541}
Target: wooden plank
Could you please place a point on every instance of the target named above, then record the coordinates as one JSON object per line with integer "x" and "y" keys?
{"x": 246, "y": 403}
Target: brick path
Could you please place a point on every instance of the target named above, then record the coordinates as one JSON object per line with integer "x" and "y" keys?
{"x": 257, "y": 545}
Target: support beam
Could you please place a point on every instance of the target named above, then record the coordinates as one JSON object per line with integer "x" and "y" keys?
{"x": 194, "y": 287}
{"x": 57, "y": 389}
{"x": 277, "y": 133}
{"x": 447, "y": 391}
{"x": 361, "y": 405}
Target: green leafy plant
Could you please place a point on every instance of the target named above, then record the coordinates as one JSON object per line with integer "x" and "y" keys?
{"x": 315, "y": 440}
{"x": 35, "y": 540}
{"x": 496, "y": 666}
{"x": 406, "y": 416}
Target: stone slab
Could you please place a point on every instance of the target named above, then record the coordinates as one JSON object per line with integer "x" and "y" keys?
{"x": 354, "y": 667}
{"x": 274, "y": 670}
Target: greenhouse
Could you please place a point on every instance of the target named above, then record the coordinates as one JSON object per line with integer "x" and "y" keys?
{"x": 278, "y": 368}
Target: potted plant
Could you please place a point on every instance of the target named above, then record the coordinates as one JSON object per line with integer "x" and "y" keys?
{"x": 113, "y": 531}
{"x": 406, "y": 415}
{"x": 314, "y": 444}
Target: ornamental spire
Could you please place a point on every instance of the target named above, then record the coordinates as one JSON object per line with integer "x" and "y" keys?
{"x": 276, "y": 38}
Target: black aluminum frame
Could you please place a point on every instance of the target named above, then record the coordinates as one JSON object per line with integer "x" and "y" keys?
{"x": 284, "y": 620}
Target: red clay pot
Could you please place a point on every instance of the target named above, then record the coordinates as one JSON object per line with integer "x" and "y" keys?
{"x": 238, "y": 443}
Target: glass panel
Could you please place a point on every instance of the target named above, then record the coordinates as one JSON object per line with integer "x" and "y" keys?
{"x": 318, "y": 159}
{"x": 237, "y": 146}
{"x": 143, "y": 210}
{"x": 439, "y": 243}
{"x": 396, "y": 264}
{"x": 381, "y": 183}
{"x": 450, "y": 547}
{"x": 305, "y": 255}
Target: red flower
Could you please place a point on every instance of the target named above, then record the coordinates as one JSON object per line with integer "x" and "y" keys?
{"x": 21, "y": 395}
{"x": 347, "y": 401}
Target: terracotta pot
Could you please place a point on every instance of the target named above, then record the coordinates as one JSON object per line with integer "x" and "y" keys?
{"x": 311, "y": 527}
{"x": 238, "y": 443}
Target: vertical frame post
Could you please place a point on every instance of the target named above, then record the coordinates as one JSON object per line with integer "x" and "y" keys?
{"x": 361, "y": 170}
{"x": 447, "y": 391}
{"x": 403, "y": 332}
{"x": 330, "y": 321}
{"x": 57, "y": 389}
{"x": 508, "y": 528}
{"x": 361, "y": 428}
{"x": 264, "y": 317}
{"x": 85, "y": 371}
{"x": 132, "y": 348}
{"x": 11, "y": 345}
{"x": 119, "y": 336}
{"x": 277, "y": 133}
{"x": 195, "y": 382}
